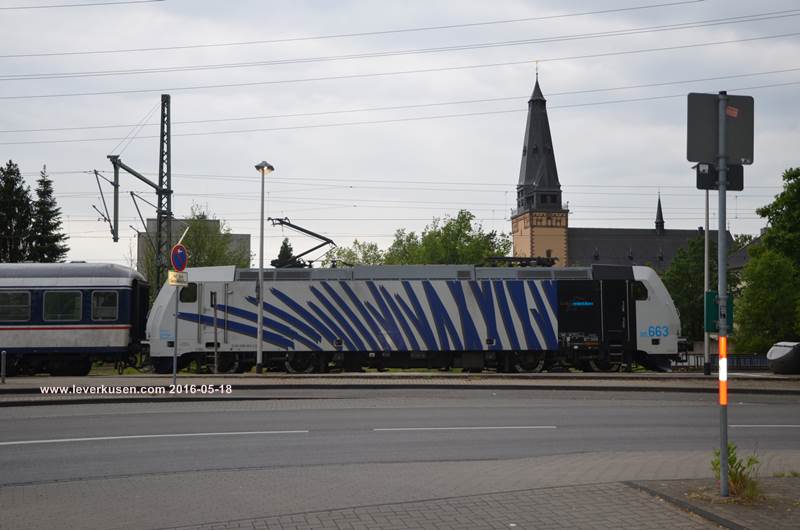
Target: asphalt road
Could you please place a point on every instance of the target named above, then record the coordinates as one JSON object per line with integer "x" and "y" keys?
{"x": 307, "y": 454}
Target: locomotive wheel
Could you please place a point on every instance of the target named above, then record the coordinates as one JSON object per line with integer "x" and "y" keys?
{"x": 162, "y": 365}
{"x": 228, "y": 363}
{"x": 596, "y": 365}
{"x": 527, "y": 362}
{"x": 301, "y": 362}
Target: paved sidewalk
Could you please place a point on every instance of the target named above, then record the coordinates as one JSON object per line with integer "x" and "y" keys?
{"x": 597, "y": 506}
{"x": 778, "y": 509}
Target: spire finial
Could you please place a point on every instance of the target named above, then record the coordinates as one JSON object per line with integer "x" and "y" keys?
{"x": 537, "y": 71}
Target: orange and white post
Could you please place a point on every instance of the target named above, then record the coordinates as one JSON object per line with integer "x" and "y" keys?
{"x": 723, "y": 371}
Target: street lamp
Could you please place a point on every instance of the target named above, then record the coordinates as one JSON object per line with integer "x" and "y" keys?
{"x": 264, "y": 167}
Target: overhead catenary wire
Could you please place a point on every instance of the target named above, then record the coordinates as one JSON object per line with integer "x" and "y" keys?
{"x": 386, "y": 121}
{"x": 356, "y": 182}
{"x": 352, "y": 34}
{"x": 414, "y": 106}
{"x": 394, "y": 53}
{"x": 134, "y": 132}
{"x": 86, "y": 4}
{"x": 393, "y": 73}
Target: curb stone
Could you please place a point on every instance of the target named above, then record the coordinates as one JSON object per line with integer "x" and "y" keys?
{"x": 689, "y": 507}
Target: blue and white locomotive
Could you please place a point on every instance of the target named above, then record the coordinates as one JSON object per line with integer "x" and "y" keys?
{"x": 59, "y": 317}
{"x": 510, "y": 319}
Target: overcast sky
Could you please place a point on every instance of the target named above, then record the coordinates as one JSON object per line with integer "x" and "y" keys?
{"x": 368, "y": 144}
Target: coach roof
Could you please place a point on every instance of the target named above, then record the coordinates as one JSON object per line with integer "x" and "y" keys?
{"x": 67, "y": 270}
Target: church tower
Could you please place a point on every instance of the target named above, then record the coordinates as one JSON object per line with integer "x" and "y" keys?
{"x": 539, "y": 223}
{"x": 659, "y": 218}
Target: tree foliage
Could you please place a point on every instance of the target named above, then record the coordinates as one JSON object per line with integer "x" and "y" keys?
{"x": 453, "y": 240}
{"x": 360, "y": 253}
{"x": 16, "y": 214}
{"x": 767, "y": 310}
{"x": 768, "y": 279}
{"x": 783, "y": 214}
{"x": 684, "y": 281}
{"x": 740, "y": 241}
{"x": 47, "y": 241}
{"x": 208, "y": 242}
{"x": 285, "y": 255}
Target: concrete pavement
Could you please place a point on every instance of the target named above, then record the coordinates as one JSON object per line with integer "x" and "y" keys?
{"x": 597, "y": 506}
{"x": 342, "y": 462}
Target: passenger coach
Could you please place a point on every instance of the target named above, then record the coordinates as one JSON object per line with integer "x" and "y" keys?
{"x": 59, "y": 317}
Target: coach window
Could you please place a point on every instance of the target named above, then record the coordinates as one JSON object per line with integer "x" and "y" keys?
{"x": 62, "y": 305}
{"x": 104, "y": 305}
{"x": 189, "y": 293}
{"x": 639, "y": 291}
{"x": 15, "y": 306}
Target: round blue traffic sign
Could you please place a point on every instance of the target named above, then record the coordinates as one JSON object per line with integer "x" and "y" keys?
{"x": 178, "y": 257}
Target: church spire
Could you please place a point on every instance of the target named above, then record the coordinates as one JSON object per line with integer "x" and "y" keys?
{"x": 538, "y": 188}
{"x": 659, "y": 218}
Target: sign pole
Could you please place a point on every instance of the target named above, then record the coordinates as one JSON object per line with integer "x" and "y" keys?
{"x": 706, "y": 281}
{"x": 722, "y": 293}
{"x": 179, "y": 258}
{"x": 175, "y": 342}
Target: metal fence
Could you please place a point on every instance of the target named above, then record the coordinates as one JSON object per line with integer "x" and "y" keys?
{"x": 694, "y": 362}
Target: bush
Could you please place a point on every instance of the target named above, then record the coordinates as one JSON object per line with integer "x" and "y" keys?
{"x": 742, "y": 474}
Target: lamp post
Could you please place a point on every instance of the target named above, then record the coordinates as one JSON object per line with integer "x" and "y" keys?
{"x": 264, "y": 168}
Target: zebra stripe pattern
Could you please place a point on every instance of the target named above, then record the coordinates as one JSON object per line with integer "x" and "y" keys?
{"x": 400, "y": 315}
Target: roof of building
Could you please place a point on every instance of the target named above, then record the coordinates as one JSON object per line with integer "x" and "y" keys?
{"x": 739, "y": 259}
{"x": 627, "y": 246}
{"x": 659, "y": 213}
{"x": 538, "y": 167}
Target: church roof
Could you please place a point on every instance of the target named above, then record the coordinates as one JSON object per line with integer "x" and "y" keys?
{"x": 538, "y": 167}
{"x": 659, "y": 213}
{"x": 628, "y": 246}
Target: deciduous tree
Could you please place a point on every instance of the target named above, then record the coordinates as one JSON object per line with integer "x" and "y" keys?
{"x": 208, "y": 241}
{"x": 767, "y": 310}
{"x": 783, "y": 214}
{"x": 684, "y": 281}
{"x": 360, "y": 253}
{"x": 451, "y": 240}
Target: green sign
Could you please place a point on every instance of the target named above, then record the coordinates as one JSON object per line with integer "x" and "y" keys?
{"x": 712, "y": 312}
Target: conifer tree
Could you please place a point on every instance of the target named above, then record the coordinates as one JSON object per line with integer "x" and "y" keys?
{"x": 47, "y": 241}
{"x": 285, "y": 255}
{"x": 16, "y": 212}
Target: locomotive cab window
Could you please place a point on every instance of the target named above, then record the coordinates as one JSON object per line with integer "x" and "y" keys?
{"x": 639, "y": 291}
{"x": 189, "y": 293}
{"x": 104, "y": 305}
{"x": 15, "y": 306}
{"x": 62, "y": 305}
